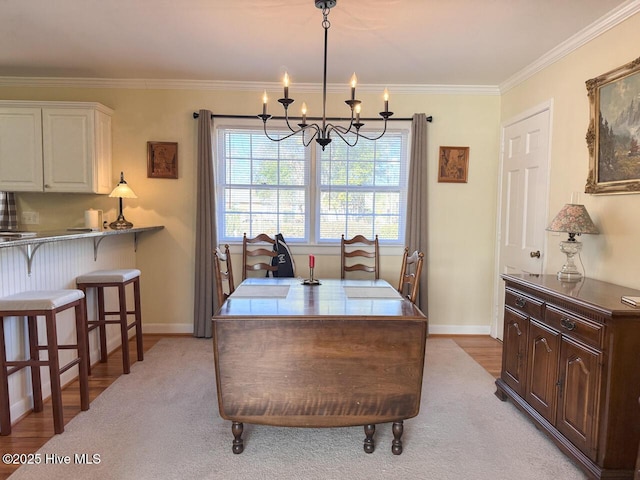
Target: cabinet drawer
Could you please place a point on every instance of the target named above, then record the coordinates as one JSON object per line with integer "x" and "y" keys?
{"x": 523, "y": 303}
{"x": 575, "y": 327}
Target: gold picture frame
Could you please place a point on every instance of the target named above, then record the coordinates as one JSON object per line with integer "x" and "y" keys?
{"x": 162, "y": 159}
{"x": 453, "y": 164}
{"x": 613, "y": 135}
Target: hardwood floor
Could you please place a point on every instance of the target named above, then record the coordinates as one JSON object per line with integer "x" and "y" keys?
{"x": 485, "y": 350}
{"x": 34, "y": 429}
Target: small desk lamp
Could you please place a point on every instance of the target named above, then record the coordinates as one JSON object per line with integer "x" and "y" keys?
{"x": 121, "y": 191}
{"x": 574, "y": 220}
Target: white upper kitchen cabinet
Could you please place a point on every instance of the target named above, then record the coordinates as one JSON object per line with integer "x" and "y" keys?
{"x": 55, "y": 147}
{"x": 21, "y": 149}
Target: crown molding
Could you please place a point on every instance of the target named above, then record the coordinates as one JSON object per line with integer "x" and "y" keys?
{"x": 605, "y": 23}
{"x": 54, "y": 104}
{"x": 174, "y": 84}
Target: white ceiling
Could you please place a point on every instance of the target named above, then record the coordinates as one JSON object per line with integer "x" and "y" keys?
{"x": 387, "y": 42}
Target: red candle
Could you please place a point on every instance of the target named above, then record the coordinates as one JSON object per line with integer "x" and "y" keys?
{"x": 312, "y": 261}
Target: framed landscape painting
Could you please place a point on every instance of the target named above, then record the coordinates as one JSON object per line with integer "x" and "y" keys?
{"x": 613, "y": 136}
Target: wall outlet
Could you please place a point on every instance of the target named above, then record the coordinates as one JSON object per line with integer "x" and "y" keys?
{"x": 30, "y": 218}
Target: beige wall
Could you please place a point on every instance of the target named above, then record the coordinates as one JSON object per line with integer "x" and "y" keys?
{"x": 461, "y": 218}
{"x": 611, "y": 255}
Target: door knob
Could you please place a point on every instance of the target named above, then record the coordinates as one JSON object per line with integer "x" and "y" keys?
{"x": 535, "y": 254}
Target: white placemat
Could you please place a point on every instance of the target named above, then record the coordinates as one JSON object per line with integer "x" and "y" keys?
{"x": 261, "y": 291}
{"x": 372, "y": 292}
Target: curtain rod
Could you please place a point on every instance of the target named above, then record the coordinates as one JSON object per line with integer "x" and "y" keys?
{"x": 213, "y": 115}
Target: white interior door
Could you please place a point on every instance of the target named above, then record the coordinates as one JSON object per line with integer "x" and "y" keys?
{"x": 523, "y": 200}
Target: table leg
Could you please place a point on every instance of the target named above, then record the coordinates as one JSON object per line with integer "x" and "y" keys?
{"x": 396, "y": 445}
{"x": 369, "y": 445}
{"x": 238, "y": 443}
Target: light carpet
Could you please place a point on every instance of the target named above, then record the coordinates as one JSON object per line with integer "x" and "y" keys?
{"x": 162, "y": 422}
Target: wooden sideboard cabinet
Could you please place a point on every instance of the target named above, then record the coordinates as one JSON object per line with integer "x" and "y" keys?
{"x": 571, "y": 362}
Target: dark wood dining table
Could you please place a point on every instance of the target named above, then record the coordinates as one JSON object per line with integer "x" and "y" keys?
{"x": 341, "y": 353}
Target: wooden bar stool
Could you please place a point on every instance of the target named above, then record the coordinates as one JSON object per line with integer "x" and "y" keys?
{"x": 47, "y": 304}
{"x": 100, "y": 280}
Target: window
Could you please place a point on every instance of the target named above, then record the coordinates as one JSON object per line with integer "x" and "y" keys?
{"x": 265, "y": 186}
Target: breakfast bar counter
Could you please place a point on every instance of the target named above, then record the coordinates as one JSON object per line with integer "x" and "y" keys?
{"x": 31, "y": 241}
{"x": 11, "y": 239}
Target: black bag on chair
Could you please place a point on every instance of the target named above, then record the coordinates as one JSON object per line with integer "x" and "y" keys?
{"x": 284, "y": 259}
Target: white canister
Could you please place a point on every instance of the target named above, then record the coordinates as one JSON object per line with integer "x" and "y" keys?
{"x": 93, "y": 219}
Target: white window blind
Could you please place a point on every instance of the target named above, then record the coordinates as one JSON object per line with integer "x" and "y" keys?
{"x": 363, "y": 189}
{"x": 266, "y": 187}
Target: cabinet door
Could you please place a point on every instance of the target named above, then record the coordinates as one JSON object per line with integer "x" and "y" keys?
{"x": 514, "y": 350}
{"x": 21, "y": 149}
{"x": 580, "y": 374}
{"x": 68, "y": 149}
{"x": 542, "y": 377}
{"x": 103, "y": 181}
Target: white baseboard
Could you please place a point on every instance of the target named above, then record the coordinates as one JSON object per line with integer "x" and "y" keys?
{"x": 459, "y": 329}
{"x": 187, "y": 328}
{"x": 168, "y": 328}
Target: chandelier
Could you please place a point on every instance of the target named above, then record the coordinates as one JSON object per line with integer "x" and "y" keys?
{"x": 322, "y": 132}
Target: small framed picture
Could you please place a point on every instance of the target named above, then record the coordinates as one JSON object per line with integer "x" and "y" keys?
{"x": 162, "y": 159}
{"x": 453, "y": 164}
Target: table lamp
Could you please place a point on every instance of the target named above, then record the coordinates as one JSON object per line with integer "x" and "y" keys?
{"x": 574, "y": 220}
{"x": 121, "y": 191}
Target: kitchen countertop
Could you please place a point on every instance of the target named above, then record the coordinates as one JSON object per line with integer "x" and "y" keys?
{"x": 62, "y": 235}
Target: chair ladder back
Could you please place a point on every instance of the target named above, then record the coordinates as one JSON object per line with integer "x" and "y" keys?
{"x": 222, "y": 277}
{"x": 373, "y": 253}
{"x": 259, "y": 246}
{"x": 410, "y": 274}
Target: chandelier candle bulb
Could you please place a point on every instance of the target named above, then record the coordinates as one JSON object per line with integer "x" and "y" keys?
{"x": 286, "y": 85}
{"x": 386, "y": 100}
{"x": 304, "y": 112}
{"x": 354, "y": 81}
{"x": 264, "y": 102}
{"x": 358, "y": 108}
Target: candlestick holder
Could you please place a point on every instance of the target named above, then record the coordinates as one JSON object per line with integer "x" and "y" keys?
{"x": 311, "y": 280}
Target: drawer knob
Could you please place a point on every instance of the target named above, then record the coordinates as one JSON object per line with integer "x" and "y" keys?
{"x": 568, "y": 324}
{"x": 520, "y": 302}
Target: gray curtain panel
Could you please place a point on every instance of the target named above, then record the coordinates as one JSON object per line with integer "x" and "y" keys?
{"x": 416, "y": 235}
{"x": 8, "y": 215}
{"x": 206, "y": 234}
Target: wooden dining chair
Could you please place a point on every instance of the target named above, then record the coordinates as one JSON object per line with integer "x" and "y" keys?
{"x": 221, "y": 258}
{"x": 359, "y": 254}
{"x": 410, "y": 274}
{"x": 258, "y": 246}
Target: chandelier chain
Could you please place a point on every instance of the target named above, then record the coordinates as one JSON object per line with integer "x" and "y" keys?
{"x": 325, "y": 18}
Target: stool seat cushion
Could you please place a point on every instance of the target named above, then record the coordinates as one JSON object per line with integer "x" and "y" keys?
{"x": 109, "y": 276}
{"x": 39, "y": 300}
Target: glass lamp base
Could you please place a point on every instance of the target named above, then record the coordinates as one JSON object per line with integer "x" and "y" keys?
{"x": 120, "y": 224}
{"x": 569, "y": 276}
{"x": 569, "y": 272}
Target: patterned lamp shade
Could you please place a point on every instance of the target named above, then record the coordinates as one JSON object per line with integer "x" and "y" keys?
{"x": 573, "y": 219}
